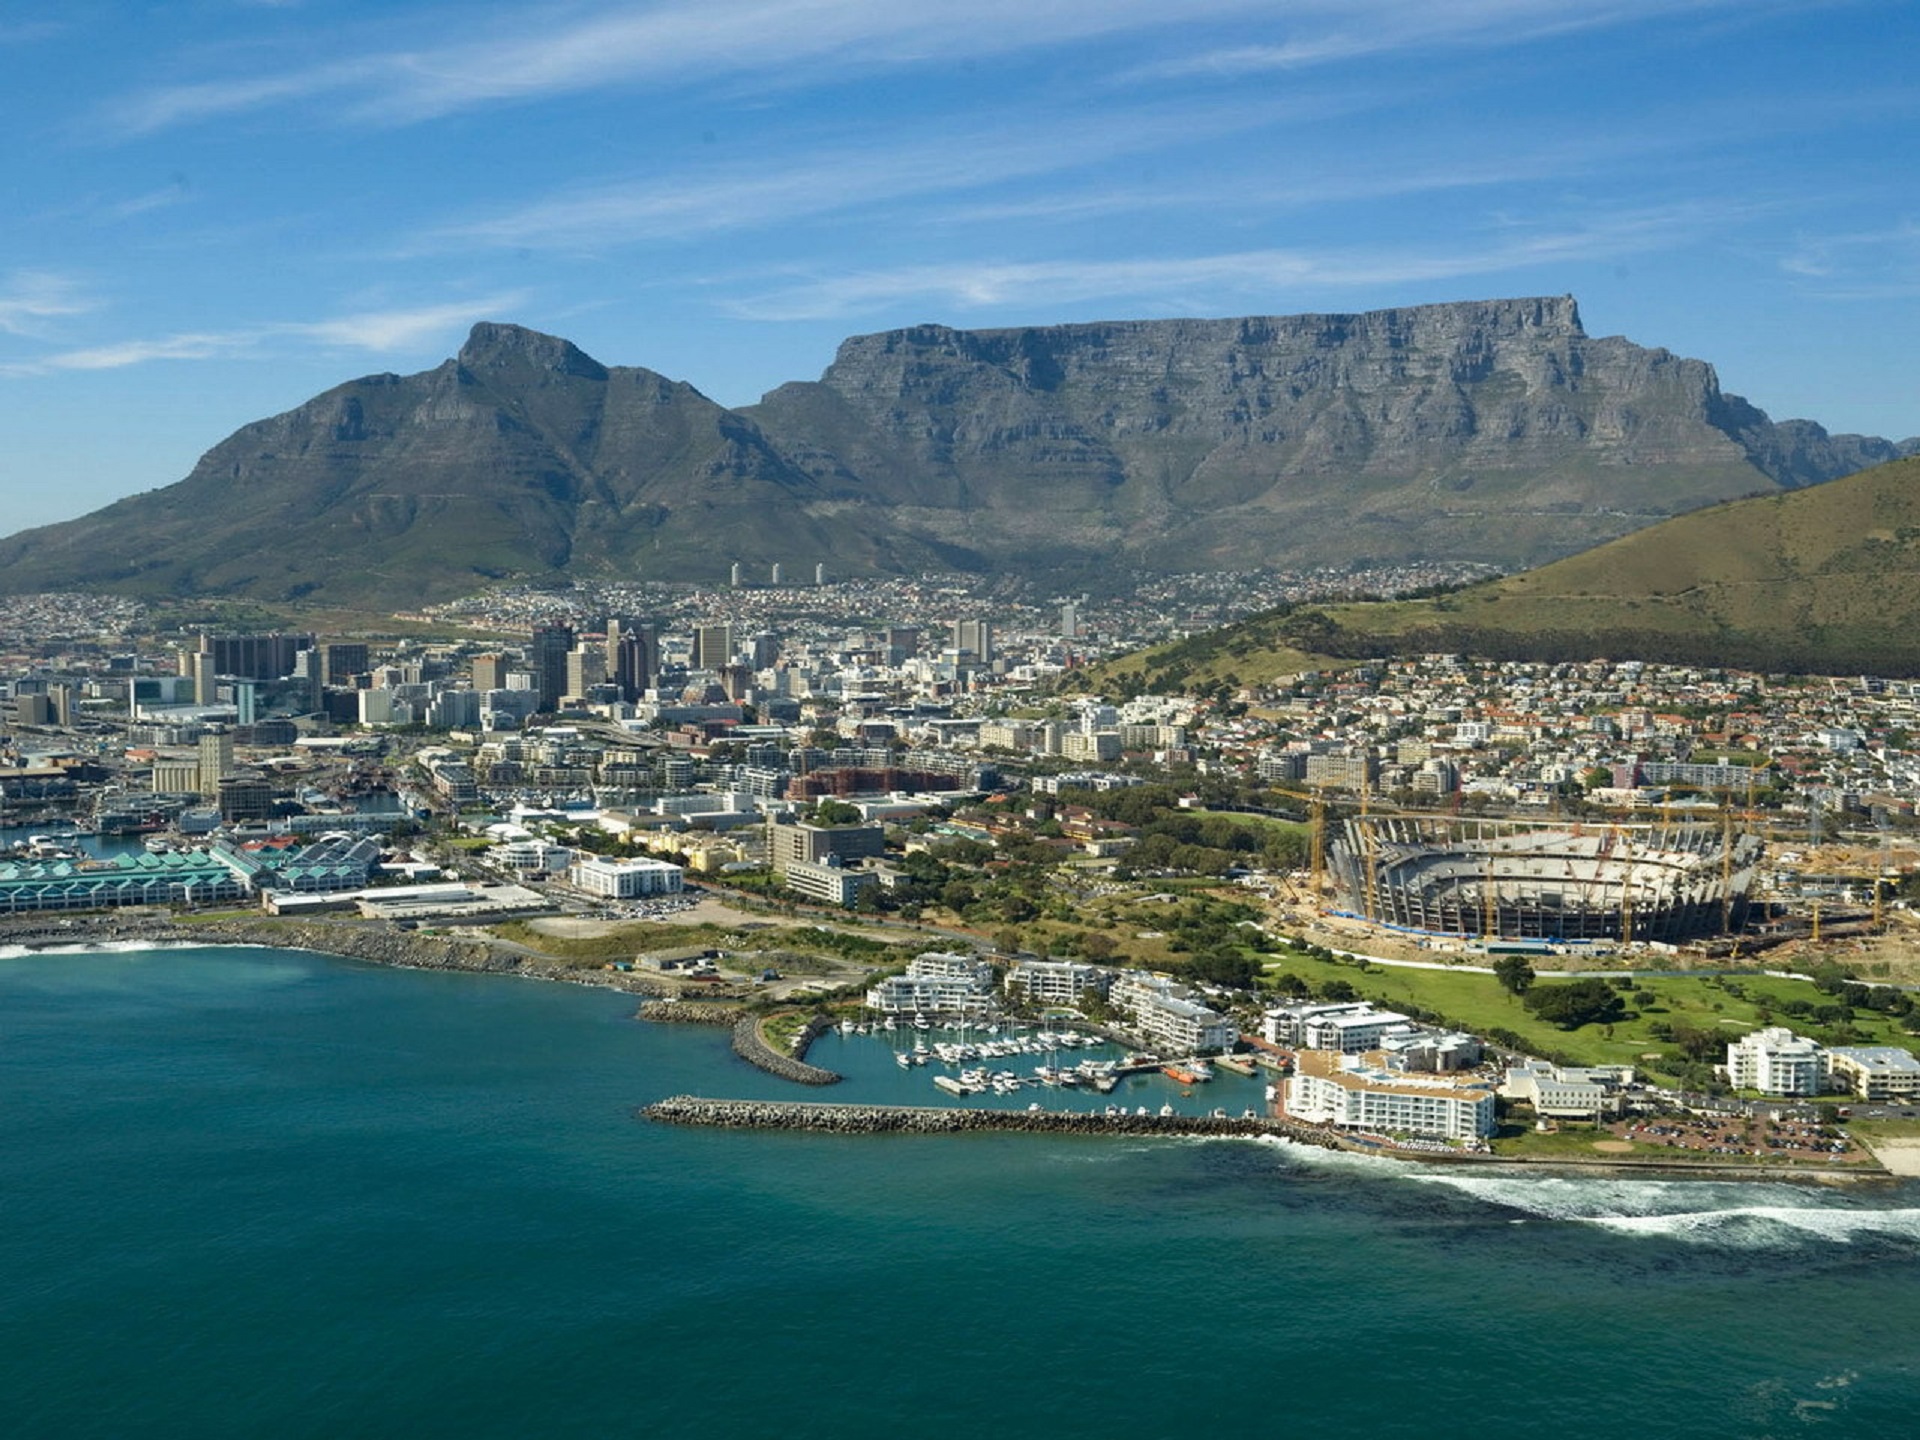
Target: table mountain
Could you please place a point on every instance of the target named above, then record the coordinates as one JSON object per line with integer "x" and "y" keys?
{"x": 1495, "y": 431}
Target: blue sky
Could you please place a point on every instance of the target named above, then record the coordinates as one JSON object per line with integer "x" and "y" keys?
{"x": 218, "y": 208}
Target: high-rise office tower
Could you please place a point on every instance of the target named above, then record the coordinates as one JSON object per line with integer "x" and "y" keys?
{"x": 203, "y": 673}
{"x": 255, "y": 657}
{"x": 216, "y": 760}
{"x": 341, "y": 660}
{"x": 632, "y": 657}
{"x": 489, "y": 673}
{"x": 974, "y": 635}
{"x": 586, "y": 668}
{"x": 712, "y": 646}
{"x": 547, "y": 658}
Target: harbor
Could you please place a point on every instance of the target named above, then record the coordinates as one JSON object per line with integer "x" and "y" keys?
{"x": 1011, "y": 1065}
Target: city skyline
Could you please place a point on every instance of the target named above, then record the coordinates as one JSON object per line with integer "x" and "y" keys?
{"x": 224, "y": 211}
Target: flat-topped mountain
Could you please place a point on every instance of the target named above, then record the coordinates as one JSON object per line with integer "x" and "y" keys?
{"x": 1494, "y": 431}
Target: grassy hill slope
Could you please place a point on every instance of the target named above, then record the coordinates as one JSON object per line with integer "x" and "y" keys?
{"x": 1823, "y": 580}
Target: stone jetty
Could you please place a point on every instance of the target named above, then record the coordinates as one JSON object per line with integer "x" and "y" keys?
{"x": 944, "y": 1120}
{"x": 751, "y": 1046}
{"x": 692, "y": 1012}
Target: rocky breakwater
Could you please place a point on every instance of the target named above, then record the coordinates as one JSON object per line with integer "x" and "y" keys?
{"x": 750, "y": 1044}
{"x": 692, "y": 1012}
{"x": 938, "y": 1120}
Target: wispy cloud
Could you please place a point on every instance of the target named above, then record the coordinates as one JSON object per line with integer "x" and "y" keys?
{"x": 161, "y": 199}
{"x": 375, "y": 331}
{"x": 386, "y": 331}
{"x": 1821, "y": 256}
{"x": 118, "y": 356}
{"x": 1268, "y": 277}
{"x": 1328, "y": 33}
{"x": 1879, "y": 264}
{"x": 31, "y": 297}
{"x": 833, "y": 180}
{"x": 673, "y": 44}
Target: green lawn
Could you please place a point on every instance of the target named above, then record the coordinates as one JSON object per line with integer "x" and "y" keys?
{"x": 1476, "y": 1003}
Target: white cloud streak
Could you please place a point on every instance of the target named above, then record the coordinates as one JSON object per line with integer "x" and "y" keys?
{"x": 679, "y": 44}
{"x": 378, "y": 332}
{"x": 831, "y": 181}
{"x": 1364, "y": 29}
{"x": 1272, "y": 277}
{"x": 669, "y": 45}
{"x": 32, "y": 297}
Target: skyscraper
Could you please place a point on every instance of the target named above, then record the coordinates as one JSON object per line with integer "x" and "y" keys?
{"x": 586, "y": 668}
{"x": 216, "y": 760}
{"x": 547, "y": 658}
{"x": 712, "y": 646}
{"x": 489, "y": 673}
{"x": 203, "y": 673}
{"x": 974, "y": 635}
{"x": 341, "y": 660}
{"x": 632, "y": 657}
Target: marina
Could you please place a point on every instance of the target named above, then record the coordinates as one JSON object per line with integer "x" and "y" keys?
{"x": 1014, "y": 1066}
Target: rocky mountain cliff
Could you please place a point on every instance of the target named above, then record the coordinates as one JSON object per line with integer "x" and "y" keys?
{"x": 1495, "y": 431}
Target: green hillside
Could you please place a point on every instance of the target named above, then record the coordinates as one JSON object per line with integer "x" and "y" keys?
{"x": 1822, "y": 580}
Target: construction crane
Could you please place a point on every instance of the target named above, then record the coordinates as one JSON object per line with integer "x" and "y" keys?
{"x": 1318, "y": 848}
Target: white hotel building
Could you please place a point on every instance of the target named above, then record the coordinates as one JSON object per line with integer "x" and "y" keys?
{"x": 937, "y": 983}
{"x": 1166, "y": 1015}
{"x": 1357, "y": 1093}
{"x": 613, "y": 879}
{"x": 1775, "y": 1061}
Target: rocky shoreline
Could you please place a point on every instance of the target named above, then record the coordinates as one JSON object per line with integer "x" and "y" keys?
{"x": 378, "y": 942}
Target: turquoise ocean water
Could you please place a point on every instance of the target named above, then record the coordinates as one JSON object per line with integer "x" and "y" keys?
{"x": 259, "y": 1193}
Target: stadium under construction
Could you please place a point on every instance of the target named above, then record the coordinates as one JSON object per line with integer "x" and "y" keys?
{"x": 1515, "y": 880}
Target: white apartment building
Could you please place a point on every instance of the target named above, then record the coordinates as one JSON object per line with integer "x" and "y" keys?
{"x": 1775, "y": 1061}
{"x": 530, "y": 855}
{"x": 1057, "y": 982}
{"x": 1566, "y": 1092}
{"x": 1875, "y": 1072}
{"x": 626, "y": 879}
{"x": 937, "y": 983}
{"x": 831, "y": 881}
{"x": 1350, "y": 1026}
{"x": 1352, "y": 1093}
{"x": 1167, "y": 1016}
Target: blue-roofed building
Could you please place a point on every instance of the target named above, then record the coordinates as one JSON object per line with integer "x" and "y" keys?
{"x": 190, "y": 877}
{"x": 322, "y": 865}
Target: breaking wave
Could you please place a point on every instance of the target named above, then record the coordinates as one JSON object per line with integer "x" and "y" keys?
{"x": 1744, "y": 1215}
{"x": 100, "y": 947}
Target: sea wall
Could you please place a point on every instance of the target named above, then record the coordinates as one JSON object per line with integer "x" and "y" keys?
{"x": 942, "y": 1120}
{"x": 751, "y": 1046}
{"x": 691, "y": 1012}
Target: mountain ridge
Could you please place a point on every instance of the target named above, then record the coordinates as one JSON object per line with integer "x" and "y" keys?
{"x": 1495, "y": 431}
